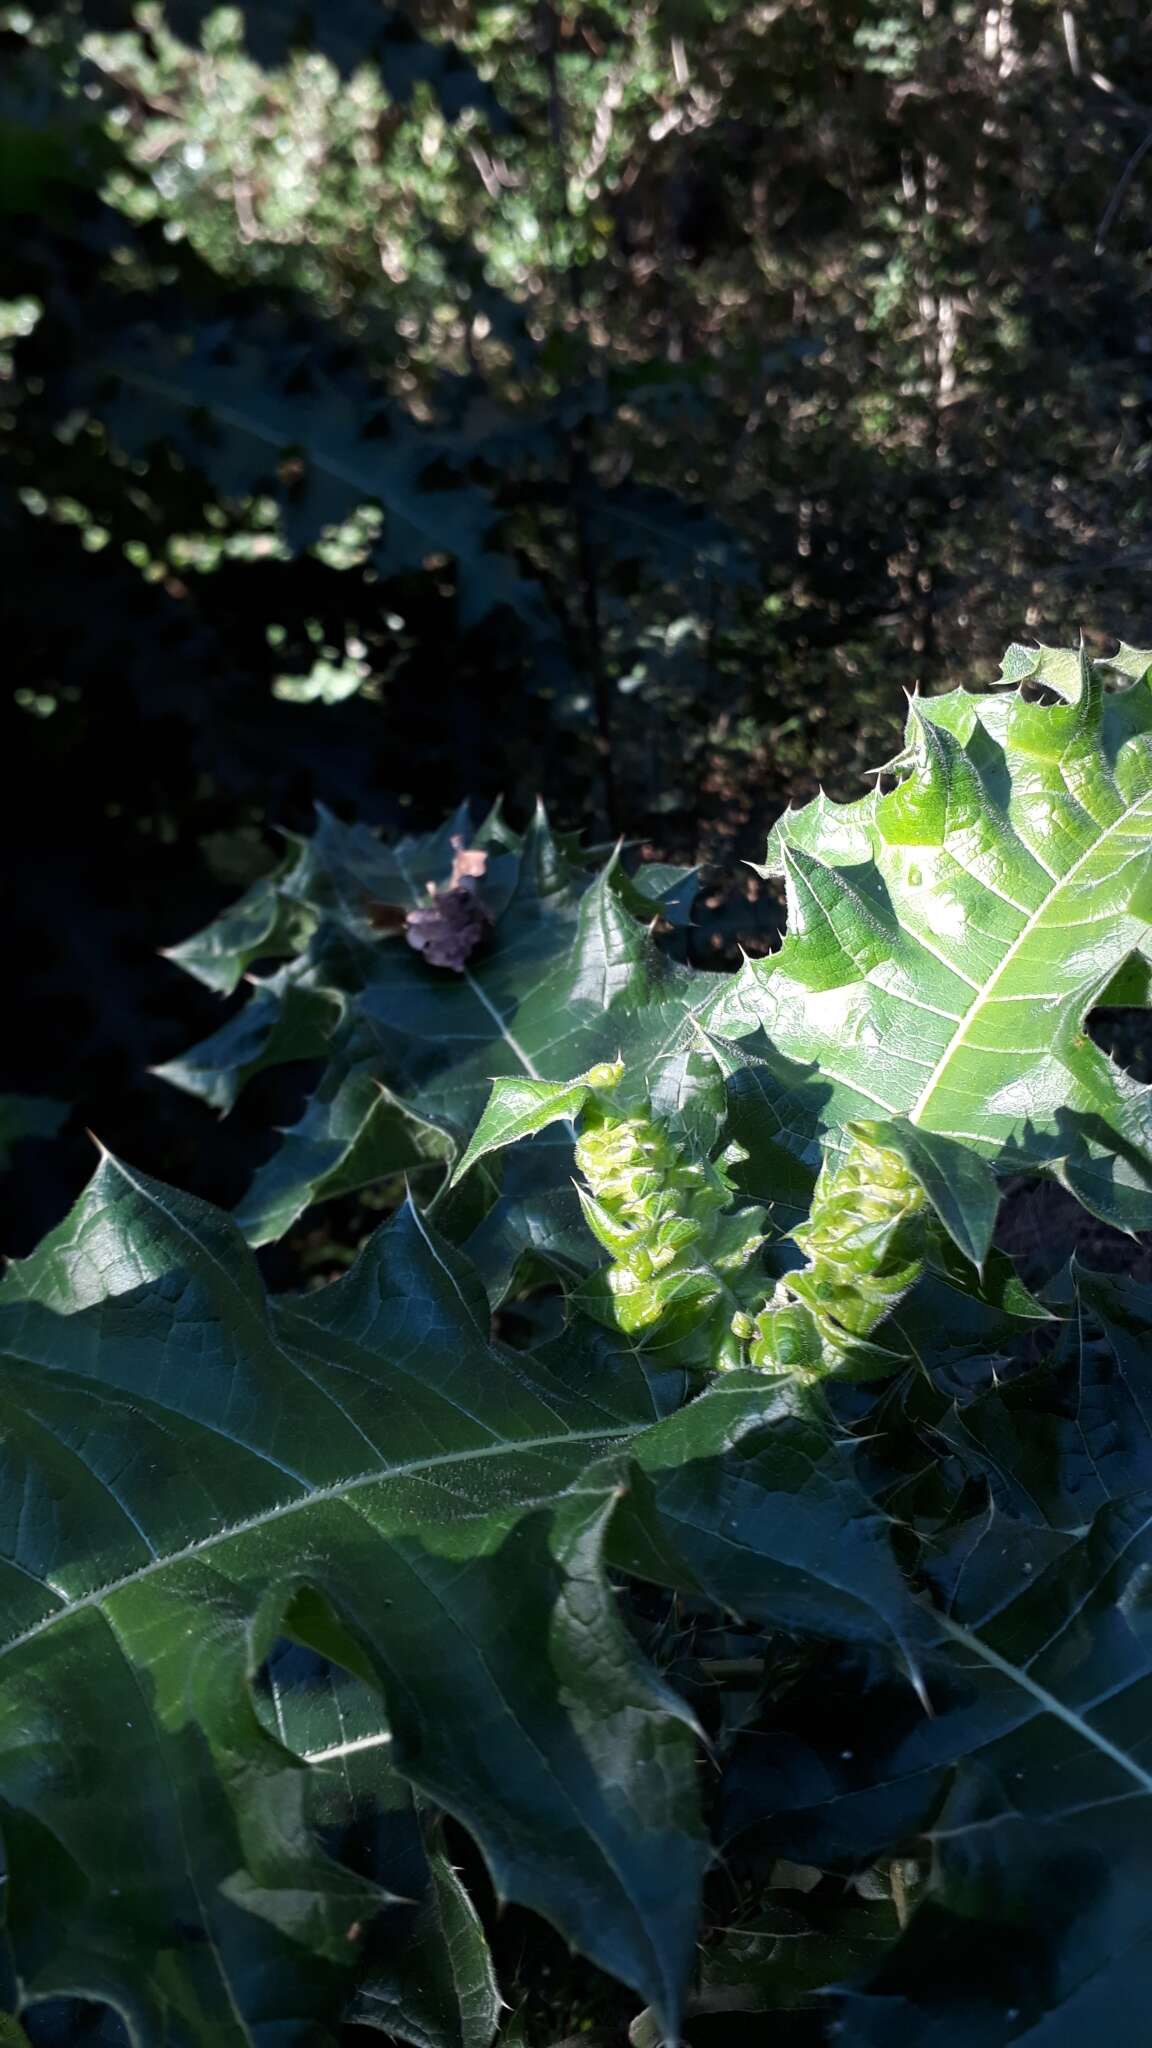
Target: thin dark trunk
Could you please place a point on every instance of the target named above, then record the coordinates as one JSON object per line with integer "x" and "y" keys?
{"x": 580, "y": 466}
{"x": 593, "y": 638}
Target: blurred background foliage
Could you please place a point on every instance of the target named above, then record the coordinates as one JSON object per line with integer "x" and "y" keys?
{"x": 622, "y": 400}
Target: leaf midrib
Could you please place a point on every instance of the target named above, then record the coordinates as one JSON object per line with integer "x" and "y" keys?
{"x": 478, "y": 992}
{"x": 318, "y": 1495}
{"x": 984, "y": 995}
{"x": 1046, "y": 1700}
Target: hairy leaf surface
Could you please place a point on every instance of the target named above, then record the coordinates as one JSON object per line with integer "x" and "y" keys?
{"x": 193, "y": 1472}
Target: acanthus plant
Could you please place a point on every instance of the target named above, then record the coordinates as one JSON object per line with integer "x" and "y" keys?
{"x": 683, "y": 1273}
{"x": 292, "y": 1586}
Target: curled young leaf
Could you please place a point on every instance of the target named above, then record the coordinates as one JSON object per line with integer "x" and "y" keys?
{"x": 865, "y": 1243}
{"x": 681, "y": 1258}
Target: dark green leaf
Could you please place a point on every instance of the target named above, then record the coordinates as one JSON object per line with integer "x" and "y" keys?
{"x": 203, "y": 1470}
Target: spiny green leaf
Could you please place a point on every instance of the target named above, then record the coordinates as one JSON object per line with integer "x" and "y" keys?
{"x": 1027, "y": 1784}
{"x": 440, "y": 1991}
{"x": 425, "y": 1972}
{"x": 1037, "y": 1760}
{"x": 948, "y": 938}
{"x": 1050, "y": 668}
{"x": 519, "y": 1108}
{"x": 1056, "y": 1444}
{"x": 202, "y": 1471}
{"x": 265, "y": 924}
{"x": 283, "y": 1020}
{"x": 566, "y": 980}
{"x": 745, "y": 1497}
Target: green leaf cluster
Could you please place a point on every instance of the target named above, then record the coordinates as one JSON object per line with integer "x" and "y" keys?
{"x": 769, "y": 1449}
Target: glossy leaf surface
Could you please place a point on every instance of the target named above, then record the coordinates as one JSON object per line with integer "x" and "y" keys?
{"x": 195, "y": 1472}
{"x": 568, "y": 977}
{"x": 947, "y": 938}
